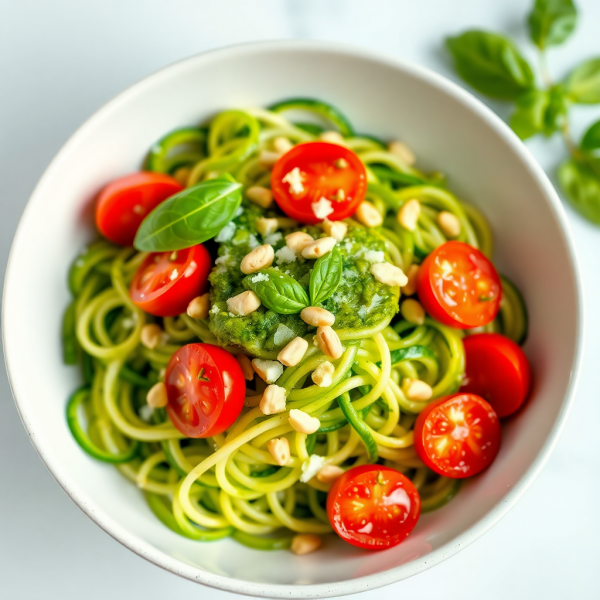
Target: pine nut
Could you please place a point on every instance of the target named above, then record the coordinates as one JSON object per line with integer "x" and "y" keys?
{"x": 257, "y": 259}
{"x": 280, "y": 450}
{"x": 293, "y": 353}
{"x": 152, "y": 335}
{"x": 403, "y": 152}
{"x": 303, "y": 422}
{"x": 335, "y": 229}
{"x": 315, "y": 316}
{"x": 413, "y": 311}
{"x": 273, "y": 400}
{"x": 246, "y": 366}
{"x": 319, "y": 247}
{"x": 329, "y": 473}
{"x": 298, "y": 240}
{"x": 157, "y": 395}
{"x": 181, "y": 175}
{"x": 282, "y": 145}
{"x": 261, "y": 196}
{"x": 389, "y": 274}
{"x": 411, "y": 287}
{"x": 267, "y": 158}
{"x": 305, "y": 543}
{"x": 266, "y": 226}
{"x": 323, "y": 374}
{"x": 198, "y": 307}
{"x": 408, "y": 215}
{"x": 417, "y": 390}
{"x": 243, "y": 304}
{"x": 368, "y": 215}
{"x": 449, "y": 224}
{"x": 268, "y": 370}
{"x": 333, "y": 137}
{"x": 329, "y": 342}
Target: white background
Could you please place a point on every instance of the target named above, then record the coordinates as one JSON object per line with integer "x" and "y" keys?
{"x": 60, "y": 60}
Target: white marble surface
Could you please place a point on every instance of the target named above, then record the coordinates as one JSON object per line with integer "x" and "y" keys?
{"x": 61, "y": 60}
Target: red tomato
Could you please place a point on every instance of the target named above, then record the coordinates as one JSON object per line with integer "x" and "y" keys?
{"x": 166, "y": 282}
{"x": 373, "y": 507}
{"x": 457, "y": 436}
{"x": 124, "y": 203}
{"x": 205, "y": 388}
{"x": 458, "y": 286}
{"x": 497, "y": 370}
{"x": 315, "y": 170}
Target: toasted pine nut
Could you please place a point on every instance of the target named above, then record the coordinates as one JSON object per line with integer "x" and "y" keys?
{"x": 303, "y": 422}
{"x": 408, "y": 215}
{"x": 329, "y": 342}
{"x": 273, "y": 400}
{"x": 323, "y": 374}
{"x": 246, "y": 365}
{"x": 198, "y": 307}
{"x": 257, "y": 259}
{"x": 335, "y": 229}
{"x": 292, "y": 354}
{"x": 329, "y": 473}
{"x": 413, "y": 311}
{"x": 333, "y": 137}
{"x": 286, "y": 222}
{"x": 449, "y": 224}
{"x": 266, "y": 226}
{"x": 368, "y": 215}
{"x": 157, "y": 395}
{"x": 411, "y": 287}
{"x": 152, "y": 335}
{"x": 243, "y": 304}
{"x": 282, "y": 144}
{"x": 315, "y": 316}
{"x": 403, "y": 152}
{"x": 181, "y": 175}
{"x": 415, "y": 389}
{"x": 305, "y": 543}
{"x": 268, "y": 370}
{"x": 280, "y": 450}
{"x": 259, "y": 195}
{"x": 389, "y": 274}
{"x": 319, "y": 247}
{"x": 267, "y": 158}
{"x": 298, "y": 240}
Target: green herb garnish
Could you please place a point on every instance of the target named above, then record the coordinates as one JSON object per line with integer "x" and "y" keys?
{"x": 201, "y": 375}
{"x": 325, "y": 276}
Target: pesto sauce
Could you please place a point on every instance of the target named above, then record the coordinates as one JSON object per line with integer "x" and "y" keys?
{"x": 359, "y": 301}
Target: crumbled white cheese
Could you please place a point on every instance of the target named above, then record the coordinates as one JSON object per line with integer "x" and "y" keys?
{"x": 268, "y": 370}
{"x": 311, "y": 467}
{"x": 273, "y": 238}
{"x": 283, "y": 335}
{"x": 296, "y": 180}
{"x": 362, "y": 312}
{"x": 232, "y": 315}
{"x": 322, "y": 209}
{"x": 145, "y": 413}
{"x": 260, "y": 277}
{"x": 215, "y": 310}
{"x": 226, "y": 233}
{"x": 253, "y": 242}
{"x": 348, "y": 245}
{"x": 374, "y": 256}
{"x": 285, "y": 255}
{"x": 239, "y": 211}
{"x": 376, "y": 300}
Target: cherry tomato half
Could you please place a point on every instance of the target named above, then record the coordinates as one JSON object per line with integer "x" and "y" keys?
{"x": 497, "y": 370}
{"x": 205, "y": 388}
{"x": 166, "y": 282}
{"x": 316, "y": 170}
{"x": 457, "y": 436}
{"x": 373, "y": 507}
{"x": 124, "y": 203}
{"x": 458, "y": 286}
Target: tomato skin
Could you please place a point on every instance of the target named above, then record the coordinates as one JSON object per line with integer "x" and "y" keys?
{"x": 322, "y": 178}
{"x": 124, "y": 203}
{"x": 380, "y": 490}
{"x": 222, "y": 396}
{"x": 497, "y": 370}
{"x": 164, "y": 286}
{"x": 469, "y": 447}
{"x": 445, "y": 271}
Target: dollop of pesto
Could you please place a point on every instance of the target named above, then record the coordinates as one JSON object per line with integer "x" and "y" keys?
{"x": 359, "y": 301}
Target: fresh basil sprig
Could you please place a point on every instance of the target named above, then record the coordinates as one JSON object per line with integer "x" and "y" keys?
{"x": 191, "y": 217}
{"x": 277, "y": 291}
{"x": 492, "y": 65}
{"x": 325, "y": 276}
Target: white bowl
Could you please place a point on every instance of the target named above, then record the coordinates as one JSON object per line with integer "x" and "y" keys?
{"x": 449, "y": 130}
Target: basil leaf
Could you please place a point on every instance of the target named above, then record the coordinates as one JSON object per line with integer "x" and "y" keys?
{"x": 582, "y": 188}
{"x": 556, "y": 112}
{"x": 411, "y": 353}
{"x": 325, "y": 276}
{"x": 530, "y": 111}
{"x": 583, "y": 84}
{"x": 191, "y": 217}
{"x": 590, "y": 147}
{"x": 491, "y": 64}
{"x": 551, "y": 22}
{"x": 277, "y": 291}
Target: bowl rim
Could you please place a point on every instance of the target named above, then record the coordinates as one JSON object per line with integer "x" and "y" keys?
{"x": 368, "y": 582}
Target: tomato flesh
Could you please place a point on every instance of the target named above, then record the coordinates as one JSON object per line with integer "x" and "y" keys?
{"x": 457, "y": 436}
{"x": 497, "y": 370}
{"x": 124, "y": 203}
{"x": 205, "y": 390}
{"x": 458, "y": 286}
{"x": 166, "y": 282}
{"x": 313, "y": 171}
{"x": 373, "y": 507}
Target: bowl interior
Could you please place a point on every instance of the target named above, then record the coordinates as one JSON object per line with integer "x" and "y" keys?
{"x": 449, "y": 131}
